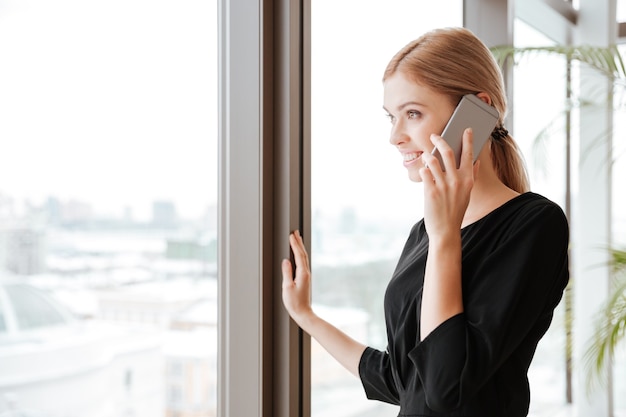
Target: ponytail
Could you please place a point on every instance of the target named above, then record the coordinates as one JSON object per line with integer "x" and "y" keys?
{"x": 509, "y": 164}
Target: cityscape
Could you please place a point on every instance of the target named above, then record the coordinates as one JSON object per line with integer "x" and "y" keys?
{"x": 107, "y": 316}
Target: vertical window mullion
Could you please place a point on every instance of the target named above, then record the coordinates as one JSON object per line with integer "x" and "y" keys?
{"x": 239, "y": 230}
{"x": 262, "y": 354}
{"x": 291, "y": 190}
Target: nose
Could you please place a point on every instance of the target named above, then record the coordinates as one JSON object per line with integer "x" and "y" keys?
{"x": 398, "y": 136}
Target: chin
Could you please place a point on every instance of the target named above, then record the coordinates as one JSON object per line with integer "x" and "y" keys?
{"x": 415, "y": 176}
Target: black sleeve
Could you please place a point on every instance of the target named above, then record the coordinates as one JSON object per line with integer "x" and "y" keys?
{"x": 376, "y": 377}
{"x": 513, "y": 288}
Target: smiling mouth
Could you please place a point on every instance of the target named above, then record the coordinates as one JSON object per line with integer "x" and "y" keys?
{"x": 412, "y": 156}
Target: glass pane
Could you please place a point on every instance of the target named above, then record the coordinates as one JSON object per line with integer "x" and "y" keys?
{"x": 621, "y": 11}
{"x": 108, "y": 219}
{"x": 3, "y": 324}
{"x": 362, "y": 202}
{"x": 619, "y": 230}
{"x": 540, "y": 131}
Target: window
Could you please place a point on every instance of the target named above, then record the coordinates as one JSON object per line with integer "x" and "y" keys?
{"x": 108, "y": 206}
{"x": 540, "y": 132}
{"x": 363, "y": 205}
{"x": 619, "y": 229}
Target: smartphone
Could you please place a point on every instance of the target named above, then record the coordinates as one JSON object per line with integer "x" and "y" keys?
{"x": 470, "y": 112}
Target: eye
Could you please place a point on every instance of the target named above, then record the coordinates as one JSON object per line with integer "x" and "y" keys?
{"x": 413, "y": 114}
{"x": 390, "y": 117}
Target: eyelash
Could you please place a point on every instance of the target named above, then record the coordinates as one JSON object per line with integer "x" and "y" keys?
{"x": 410, "y": 114}
{"x": 413, "y": 114}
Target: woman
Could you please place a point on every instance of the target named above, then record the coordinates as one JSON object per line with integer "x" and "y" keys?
{"x": 480, "y": 275}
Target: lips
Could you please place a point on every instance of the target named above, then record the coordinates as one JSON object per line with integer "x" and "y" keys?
{"x": 410, "y": 157}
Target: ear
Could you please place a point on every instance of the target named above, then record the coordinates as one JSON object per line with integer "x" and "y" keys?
{"x": 484, "y": 97}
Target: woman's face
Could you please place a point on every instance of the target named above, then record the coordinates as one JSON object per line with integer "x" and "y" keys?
{"x": 415, "y": 112}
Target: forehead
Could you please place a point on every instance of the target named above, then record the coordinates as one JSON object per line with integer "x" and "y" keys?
{"x": 399, "y": 89}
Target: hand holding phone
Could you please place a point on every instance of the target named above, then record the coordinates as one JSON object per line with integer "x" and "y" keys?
{"x": 470, "y": 112}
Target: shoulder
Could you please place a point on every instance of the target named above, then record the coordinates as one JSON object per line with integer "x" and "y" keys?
{"x": 417, "y": 231}
{"x": 531, "y": 201}
{"x": 532, "y": 219}
{"x": 528, "y": 218}
{"x": 535, "y": 208}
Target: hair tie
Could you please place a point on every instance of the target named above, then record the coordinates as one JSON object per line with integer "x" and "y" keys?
{"x": 499, "y": 133}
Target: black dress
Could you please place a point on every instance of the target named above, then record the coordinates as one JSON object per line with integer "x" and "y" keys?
{"x": 514, "y": 269}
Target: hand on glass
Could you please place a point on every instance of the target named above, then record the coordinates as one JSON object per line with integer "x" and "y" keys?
{"x": 297, "y": 291}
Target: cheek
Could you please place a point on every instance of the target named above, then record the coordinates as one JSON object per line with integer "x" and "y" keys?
{"x": 421, "y": 134}
{"x": 439, "y": 126}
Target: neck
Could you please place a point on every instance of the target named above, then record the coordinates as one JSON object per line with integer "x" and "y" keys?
{"x": 488, "y": 194}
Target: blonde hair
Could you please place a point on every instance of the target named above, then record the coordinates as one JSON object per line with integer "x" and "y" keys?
{"x": 454, "y": 62}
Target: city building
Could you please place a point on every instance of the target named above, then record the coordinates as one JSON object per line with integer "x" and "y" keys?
{"x": 54, "y": 365}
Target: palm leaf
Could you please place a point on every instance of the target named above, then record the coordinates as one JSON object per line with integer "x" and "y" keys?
{"x": 618, "y": 260}
{"x": 610, "y": 326}
{"x": 607, "y": 60}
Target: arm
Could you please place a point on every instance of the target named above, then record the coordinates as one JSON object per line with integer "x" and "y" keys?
{"x": 297, "y": 301}
{"x": 514, "y": 285}
{"x": 442, "y": 297}
{"x": 446, "y": 199}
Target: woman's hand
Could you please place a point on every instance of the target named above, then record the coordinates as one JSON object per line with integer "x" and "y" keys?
{"x": 447, "y": 193}
{"x": 297, "y": 291}
{"x": 297, "y": 300}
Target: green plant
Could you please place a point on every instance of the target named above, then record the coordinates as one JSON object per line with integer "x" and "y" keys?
{"x": 607, "y": 60}
{"x": 611, "y": 323}
{"x": 610, "y": 330}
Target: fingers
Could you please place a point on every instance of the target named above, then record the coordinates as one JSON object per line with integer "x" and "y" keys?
{"x": 433, "y": 171}
{"x": 296, "y": 292}
{"x": 299, "y": 252}
{"x": 301, "y": 261}
{"x": 448, "y": 155}
{"x": 426, "y": 175}
{"x": 467, "y": 151}
{"x": 447, "y": 159}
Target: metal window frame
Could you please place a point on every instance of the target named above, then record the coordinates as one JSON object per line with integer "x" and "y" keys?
{"x": 264, "y": 193}
{"x": 492, "y": 21}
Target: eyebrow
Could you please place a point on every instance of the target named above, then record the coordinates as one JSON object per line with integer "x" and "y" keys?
{"x": 406, "y": 104}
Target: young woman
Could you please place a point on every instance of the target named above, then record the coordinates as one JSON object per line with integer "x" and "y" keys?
{"x": 480, "y": 275}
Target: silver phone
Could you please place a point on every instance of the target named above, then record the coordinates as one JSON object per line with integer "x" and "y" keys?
{"x": 470, "y": 112}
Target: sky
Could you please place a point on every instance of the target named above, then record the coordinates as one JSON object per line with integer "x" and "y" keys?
{"x": 109, "y": 102}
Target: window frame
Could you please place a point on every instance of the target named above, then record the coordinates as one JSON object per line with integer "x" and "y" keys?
{"x": 264, "y": 194}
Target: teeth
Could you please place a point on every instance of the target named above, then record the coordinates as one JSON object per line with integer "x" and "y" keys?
{"x": 410, "y": 156}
